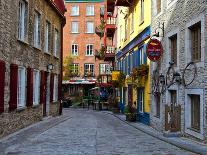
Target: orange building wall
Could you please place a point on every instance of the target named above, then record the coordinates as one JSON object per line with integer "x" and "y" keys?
{"x": 82, "y": 38}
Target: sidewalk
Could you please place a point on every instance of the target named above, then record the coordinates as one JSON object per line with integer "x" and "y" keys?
{"x": 180, "y": 142}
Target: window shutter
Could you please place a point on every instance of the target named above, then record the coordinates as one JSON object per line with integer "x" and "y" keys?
{"x": 145, "y": 55}
{"x": 29, "y": 87}
{"x": 42, "y": 87}
{"x": 2, "y": 84}
{"x": 129, "y": 66}
{"x": 13, "y": 87}
{"x": 51, "y": 87}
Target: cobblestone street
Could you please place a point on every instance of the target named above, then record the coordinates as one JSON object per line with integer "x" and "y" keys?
{"x": 85, "y": 132}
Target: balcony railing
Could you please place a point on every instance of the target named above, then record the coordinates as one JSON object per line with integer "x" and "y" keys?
{"x": 111, "y": 20}
{"x": 110, "y": 50}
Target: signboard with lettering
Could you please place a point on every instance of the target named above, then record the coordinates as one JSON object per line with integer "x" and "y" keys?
{"x": 115, "y": 75}
{"x": 154, "y": 50}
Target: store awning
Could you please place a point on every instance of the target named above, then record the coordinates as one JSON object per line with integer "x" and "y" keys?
{"x": 80, "y": 81}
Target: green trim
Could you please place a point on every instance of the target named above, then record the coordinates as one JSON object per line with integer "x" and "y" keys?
{"x": 82, "y": 1}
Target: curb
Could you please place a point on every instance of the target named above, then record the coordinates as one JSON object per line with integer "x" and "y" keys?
{"x": 181, "y": 143}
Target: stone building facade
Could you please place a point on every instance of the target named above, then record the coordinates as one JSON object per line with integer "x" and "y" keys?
{"x": 30, "y": 61}
{"x": 81, "y": 44}
{"x": 184, "y": 40}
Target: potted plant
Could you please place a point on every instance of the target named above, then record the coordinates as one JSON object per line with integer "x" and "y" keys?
{"x": 131, "y": 113}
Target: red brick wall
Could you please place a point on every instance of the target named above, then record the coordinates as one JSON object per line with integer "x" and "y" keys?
{"x": 82, "y": 38}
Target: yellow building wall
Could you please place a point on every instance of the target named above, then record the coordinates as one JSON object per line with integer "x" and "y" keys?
{"x": 139, "y": 26}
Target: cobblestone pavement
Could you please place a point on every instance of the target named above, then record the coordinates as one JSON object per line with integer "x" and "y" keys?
{"x": 86, "y": 133}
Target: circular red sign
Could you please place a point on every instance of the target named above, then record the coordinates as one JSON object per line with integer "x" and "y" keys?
{"x": 154, "y": 50}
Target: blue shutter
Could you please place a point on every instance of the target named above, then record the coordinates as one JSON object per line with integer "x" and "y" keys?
{"x": 145, "y": 55}
{"x": 138, "y": 58}
{"x": 129, "y": 65}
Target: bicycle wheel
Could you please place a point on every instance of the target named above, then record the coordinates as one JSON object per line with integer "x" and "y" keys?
{"x": 170, "y": 76}
{"x": 189, "y": 74}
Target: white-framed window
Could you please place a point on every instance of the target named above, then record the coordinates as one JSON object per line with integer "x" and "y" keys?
{"x": 89, "y": 50}
{"x": 194, "y": 112}
{"x": 75, "y": 10}
{"x": 36, "y": 87}
{"x": 142, "y": 11}
{"x": 157, "y": 5}
{"x": 74, "y": 49}
{"x": 21, "y": 95}
{"x": 132, "y": 22}
{"x": 141, "y": 100}
{"x": 90, "y": 10}
{"x": 55, "y": 88}
{"x": 89, "y": 69}
{"x": 141, "y": 56}
{"x": 22, "y": 23}
{"x": 47, "y": 36}
{"x": 104, "y": 69}
{"x": 74, "y": 27}
{"x": 56, "y": 44}
{"x": 89, "y": 27}
{"x": 37, "y": 29}
{"x": 74, "y": 68}
{"x": 195, "y": 40}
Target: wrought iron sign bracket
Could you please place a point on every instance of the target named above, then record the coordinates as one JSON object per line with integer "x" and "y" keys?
{"x": 161, "y": 26}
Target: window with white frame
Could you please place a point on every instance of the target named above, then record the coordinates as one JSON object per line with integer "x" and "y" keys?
{"x": 47, "y": 36}
{"x": 142, "y": 11}
{"x": 21, "y": 87}
{"x": 89, "y": 27}
{"x": 142, "y": 56}
{"x": 89, "y": 69}
{"x": 89, "y": 50}
{"x": 55, "y": 88}
{"x": 90, "y": 10}
{"x": 36, "y": 87}
{"x": 23, "y": 15}
{"x": 132, "y": 22}
{"x": 75, "y": 10}
{"x": 56, "y": 44}
{"x": 74, "y": 27}
{"x": 104, "y": 69}
{"x": 37, "y": 29}
{"x": 74, "y": 69}
{"x": 74, "y": 49}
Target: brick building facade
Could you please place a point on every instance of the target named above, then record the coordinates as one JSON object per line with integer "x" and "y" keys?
{"x": 81, "y": 43}
{"x": 184, "y": 41}
{"x": 30, "y": 61}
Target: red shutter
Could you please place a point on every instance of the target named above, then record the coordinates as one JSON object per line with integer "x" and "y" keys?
{"x": 42, "y": 88}
{"x": 13, "y": 87}
{"x": 29, "y": 87}
{"x": 51, "y": 86}
{"x": 2, "y": 84}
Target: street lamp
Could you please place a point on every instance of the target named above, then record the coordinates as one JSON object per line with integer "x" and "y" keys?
{"x": 50, "y": 67}
{"x": 177, "y": 77}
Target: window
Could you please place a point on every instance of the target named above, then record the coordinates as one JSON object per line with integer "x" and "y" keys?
{"x": 195, "y": 112}
{"x": 89, "y": 50}
{"x": 173, "y": 49}
{"x": 89, "y": 27}
{"x": 36, "y": 87}
{"x": 37, "y": 30}
{"x": 90, "y": 10}
{"x": 89, "y": 69}
{"x": 173, "y": 97}
{"x": 125, "y": 30}
{"x": 56, "y": 44}
{"x": 157, "y": 101}
{"x": 55, "y": 88}
{"x": 120, "y": 34}
{"x": 142, "y": 11}
{"x": 74, "y": 68}
{"x": 75, "y": 11}
{"x": 195, "y": 37}
{"x": 141, "y": 100}
{"x": 158, "y": 6}
{"x": 47, "y": 36}
{"x": 21, "y": 87}
{"x": 142, "y": 56}
{"x": 23, "y": 13}
{"x": 74, "y": 27}
{"x": 74, "y": 49}
{"x": 104, "y": 69}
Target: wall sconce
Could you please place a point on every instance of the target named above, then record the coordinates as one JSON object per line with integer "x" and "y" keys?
{"x": 50, "y": 67}
{"x": 162, "y": 79}
{"x": 177, "y": 77}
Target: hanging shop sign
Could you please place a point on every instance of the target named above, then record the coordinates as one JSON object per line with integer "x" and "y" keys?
{"x": 154, "y": 50}
{"x": 115, "y": 75}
